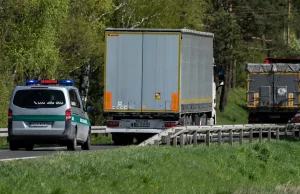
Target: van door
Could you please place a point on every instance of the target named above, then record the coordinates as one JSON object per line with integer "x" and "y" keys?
{"x": 75, "y": 105}
{"x": 83, "y": 121}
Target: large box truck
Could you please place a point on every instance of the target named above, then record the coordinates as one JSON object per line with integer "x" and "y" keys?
{"x": 273, "y": 91}
{"x": 155, "y": 79}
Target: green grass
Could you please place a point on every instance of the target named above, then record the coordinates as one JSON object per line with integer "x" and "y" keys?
{"x": 252, "y": 168}
{"x": 235, "y": 110}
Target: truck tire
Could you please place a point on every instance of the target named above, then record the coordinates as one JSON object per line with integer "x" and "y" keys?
{"x": 203, "y": 120}
{"x": 197, "y": 120}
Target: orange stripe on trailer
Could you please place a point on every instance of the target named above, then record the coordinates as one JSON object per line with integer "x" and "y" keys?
{"x": 175, "y": 102}
{"x": 256, "y": 99}
{"x": 291, "y": 100}
{"x": 108, "y": 100}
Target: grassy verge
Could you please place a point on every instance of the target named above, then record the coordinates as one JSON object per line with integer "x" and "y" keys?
{"x": 252, "y": 168}
{"x": 235, "y": 110}
{"x": 3, "y": 142}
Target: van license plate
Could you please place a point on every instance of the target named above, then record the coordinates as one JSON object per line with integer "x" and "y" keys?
{"x": 38, "y": 124}
{"x": 142, "y": 124}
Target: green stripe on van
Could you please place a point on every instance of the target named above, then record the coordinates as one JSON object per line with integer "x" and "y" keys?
{"x": 78, "y": 119}
{"x": 75, "y": 118}
{"x": 38, "y": 117}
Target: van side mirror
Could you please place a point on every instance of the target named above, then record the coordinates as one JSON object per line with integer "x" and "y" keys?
{"x": 90, "y": 109}
{"x": 219, "y": 70}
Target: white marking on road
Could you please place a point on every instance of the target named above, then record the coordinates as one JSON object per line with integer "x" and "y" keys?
{"x": 23, "y": 158}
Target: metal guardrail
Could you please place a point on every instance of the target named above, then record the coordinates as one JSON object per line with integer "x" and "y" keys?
{"x": 208, "y": 134}
{"x": 220, "y": 133}
{"x": 95, "y": 130}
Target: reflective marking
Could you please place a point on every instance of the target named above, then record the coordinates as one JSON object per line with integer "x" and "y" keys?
{"x": 23, "y": 158}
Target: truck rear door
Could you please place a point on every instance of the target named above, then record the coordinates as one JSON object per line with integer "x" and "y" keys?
{"x": 286, "y": 89}
{"x": 160, "y": 72}
{"x": 123, "y": 72}
{"x": 273, "y": 89}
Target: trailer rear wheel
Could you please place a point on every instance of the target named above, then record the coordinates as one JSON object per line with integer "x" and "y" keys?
{"x": 197, "y": 120}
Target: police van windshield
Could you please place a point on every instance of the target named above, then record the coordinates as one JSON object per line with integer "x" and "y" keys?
{"x": 39, "y": 98}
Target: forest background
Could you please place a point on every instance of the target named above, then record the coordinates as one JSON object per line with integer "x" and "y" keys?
{"x": 59, "y": 39}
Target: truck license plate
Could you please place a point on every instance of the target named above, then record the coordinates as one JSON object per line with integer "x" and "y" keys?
{"x": 142, "y": 124}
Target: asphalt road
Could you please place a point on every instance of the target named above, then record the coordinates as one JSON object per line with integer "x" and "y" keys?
{"x": 6, "y": 154}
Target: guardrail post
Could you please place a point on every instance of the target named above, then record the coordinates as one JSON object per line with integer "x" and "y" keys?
{"x": 269, "y": 134}
{"x": 293, "y": 132}
{"x": 260, "y": 135}
{"x": 168, "y": 138}
{"x": 175, "y": 141}
{"x": 285, "y": 131}
{"x": 241, "y": 136}
{"x": 181, "y": 140}
{"x": 208, "y": 138}
{"x": 195, "y": 139}
{"x": 251, "y": 135}
{"x": 230, "y": 137}
{"x": 220, "y": 137}
{"x": 277, "y": 134}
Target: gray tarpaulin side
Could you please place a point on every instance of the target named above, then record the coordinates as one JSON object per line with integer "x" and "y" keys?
{"x": 273, "y": 67}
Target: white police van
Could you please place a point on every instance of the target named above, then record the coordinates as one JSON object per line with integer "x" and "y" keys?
{"x": 47, "y": 112}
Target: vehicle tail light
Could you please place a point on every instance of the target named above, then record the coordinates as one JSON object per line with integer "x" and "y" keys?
{"x": 68, "y": 114}
{"x": 295, "y": 120}
{"x": 253, "y": 119}
{"x": 112, "y": 124}
{"x": 10, "y": 114}
{"x": 170, "y": 124}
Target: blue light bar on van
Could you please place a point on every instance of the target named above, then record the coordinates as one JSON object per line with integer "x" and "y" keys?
{"x": 66, "y": 82}
{"x": 32, "y": 82}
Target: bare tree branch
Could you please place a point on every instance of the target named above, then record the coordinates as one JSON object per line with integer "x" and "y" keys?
{"x": 143, "y": 20}
{"x": 106, "y": 13}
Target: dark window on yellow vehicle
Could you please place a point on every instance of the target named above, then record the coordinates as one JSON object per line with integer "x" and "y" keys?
{"x": 39, "y": 98}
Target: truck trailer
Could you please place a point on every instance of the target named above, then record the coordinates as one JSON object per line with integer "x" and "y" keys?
{"x": 273, "y": 91}
{"x": 156, "y": 79}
